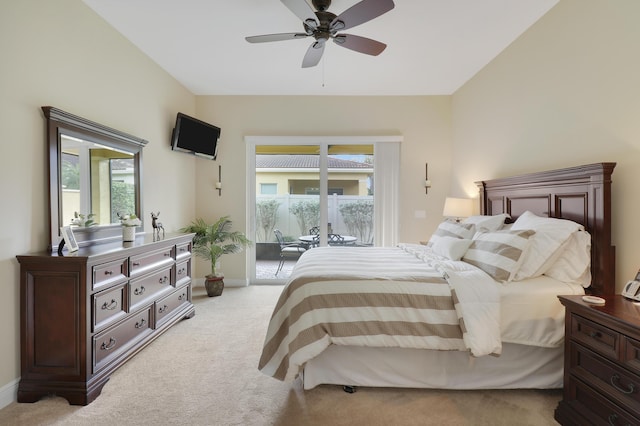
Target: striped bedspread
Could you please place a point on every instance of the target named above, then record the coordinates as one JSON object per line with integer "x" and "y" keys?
{"x": 379, "y": 297}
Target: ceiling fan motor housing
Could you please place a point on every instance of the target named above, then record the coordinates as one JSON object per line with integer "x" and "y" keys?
{"x": 321, "y": 5}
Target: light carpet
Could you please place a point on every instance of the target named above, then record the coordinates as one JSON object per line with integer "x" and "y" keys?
{"x": 203, "y": 371}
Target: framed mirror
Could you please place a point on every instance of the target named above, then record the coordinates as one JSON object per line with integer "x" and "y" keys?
{"x": 95, "y": 173}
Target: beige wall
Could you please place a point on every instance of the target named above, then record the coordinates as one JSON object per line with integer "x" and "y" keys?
{"x": 565, "y": 93}
{"x": 424, "y": 122}
{"x": 62, "y": 54}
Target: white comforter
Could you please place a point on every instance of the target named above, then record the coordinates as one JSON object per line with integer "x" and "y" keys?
{"x": 380, "y": 297}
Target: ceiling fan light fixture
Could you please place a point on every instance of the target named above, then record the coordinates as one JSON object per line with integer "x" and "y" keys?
{"x": 311, "y": 23}
{"x": 337, "y": 25}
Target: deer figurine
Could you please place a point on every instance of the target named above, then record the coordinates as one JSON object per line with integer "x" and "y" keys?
{"x": 157, "y": 226}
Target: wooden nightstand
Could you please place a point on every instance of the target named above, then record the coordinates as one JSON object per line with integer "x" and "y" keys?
{"x": 602, "y": 363}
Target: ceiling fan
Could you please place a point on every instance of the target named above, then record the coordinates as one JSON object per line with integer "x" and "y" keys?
{"x": 323, "y": 25}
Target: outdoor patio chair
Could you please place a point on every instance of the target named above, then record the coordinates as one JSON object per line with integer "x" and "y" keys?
{"x": 288, "y": 250}
{"x": 335, "y": 240}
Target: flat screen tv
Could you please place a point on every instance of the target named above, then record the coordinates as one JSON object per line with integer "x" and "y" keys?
{"x": 195, "y": 136}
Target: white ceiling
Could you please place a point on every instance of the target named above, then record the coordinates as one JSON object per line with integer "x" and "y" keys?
{"x": 434, "y": 46}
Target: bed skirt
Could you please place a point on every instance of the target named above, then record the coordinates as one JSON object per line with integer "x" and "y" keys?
{"x": 519, "y": 367}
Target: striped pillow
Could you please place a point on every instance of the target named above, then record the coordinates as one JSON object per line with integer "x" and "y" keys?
{"x": 452, "y": 229}
{"x": 498, "y": 253}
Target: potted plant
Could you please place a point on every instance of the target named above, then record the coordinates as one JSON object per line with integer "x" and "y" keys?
{"x": 211, "y": 242}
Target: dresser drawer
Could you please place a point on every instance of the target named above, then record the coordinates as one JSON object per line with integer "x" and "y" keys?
{"x": 183, "y": 250}
{"x": 183, "y": 272}
{"x": 169, "y": 304}
{"x": 611, "y": 379}
{"x": 596, "y": 336}
{"x": 142, "y": 263}
{"x": 117, "y": 340}
{"x": 598, "y": 409}
{"x": 108, "y": 273}
{"x": 108, "y": 306}
{"x": 631, "y": 357}
{"x": 148, "y": 287}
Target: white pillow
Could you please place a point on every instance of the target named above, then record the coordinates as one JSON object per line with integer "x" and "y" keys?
{"x": 451, "y": 247}
{"x": 490, "y": 223}
{"x": 498, "y": 253}
{"x": 550, "y": 235}
{"x": 452, "y": 229}
{"x": 574, "y": 263}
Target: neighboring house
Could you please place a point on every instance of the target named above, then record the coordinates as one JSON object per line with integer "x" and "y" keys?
{"x": 298, "y": 174}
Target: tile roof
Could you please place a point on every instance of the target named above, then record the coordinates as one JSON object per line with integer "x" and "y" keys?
{"x": 286, "y": 161}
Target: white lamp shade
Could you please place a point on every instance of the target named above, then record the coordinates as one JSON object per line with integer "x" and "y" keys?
{"x": 457, "y": 207}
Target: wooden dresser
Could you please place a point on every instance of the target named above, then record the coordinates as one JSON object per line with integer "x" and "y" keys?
{"x": 86, "y": 313}
{"x": 602, "y": 363}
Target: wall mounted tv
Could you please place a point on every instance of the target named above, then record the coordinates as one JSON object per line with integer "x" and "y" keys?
{"x": 195, "y": 136}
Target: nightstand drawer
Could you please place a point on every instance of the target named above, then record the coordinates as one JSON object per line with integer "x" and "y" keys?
{"x": 631, "y": 358}
{"x": 611, "y": 379}
{"x": 595, "y": 336}
{"x": 597, "y": 408}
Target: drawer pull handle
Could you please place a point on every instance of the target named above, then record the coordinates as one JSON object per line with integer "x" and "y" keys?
{"x": 181, "y": 271}
{"x": 111, "y": 306}
{"x": 614, "y": 382}
{"x": 613, "y": 418}
{"x": 595, "y": 334}
{"x": 107, "y": 346}
{"x": 139, "y": 291}
{"x": 182, "y": 297}
{"x": 140, "y": 323}
{"x": 108, "y": 272}
{"x": 163, "y": 280}
{"x": 168, "y": 254}
{"x": 162, "y": 310}
{"x": 136, "y": 263}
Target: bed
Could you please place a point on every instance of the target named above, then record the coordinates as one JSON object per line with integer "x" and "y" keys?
{"x": 469, "y": 310}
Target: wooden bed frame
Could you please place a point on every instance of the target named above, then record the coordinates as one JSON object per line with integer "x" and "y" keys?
{"x": 581, "y": 194}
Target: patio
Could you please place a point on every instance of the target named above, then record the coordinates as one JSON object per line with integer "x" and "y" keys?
{"x": 266, "y": 269}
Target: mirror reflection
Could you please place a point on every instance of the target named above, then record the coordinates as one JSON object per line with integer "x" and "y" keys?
{"x": 97, "y": 182}
{"x": 94, "y": 174}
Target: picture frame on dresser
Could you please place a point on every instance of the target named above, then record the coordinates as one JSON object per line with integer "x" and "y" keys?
{"x": 69, "y": 238}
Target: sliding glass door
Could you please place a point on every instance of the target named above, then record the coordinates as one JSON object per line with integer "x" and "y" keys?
{"x": 306, "y": 193}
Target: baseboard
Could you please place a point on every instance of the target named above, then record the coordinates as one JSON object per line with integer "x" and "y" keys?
{"x": 228, "y": 282}
{"x": 9, "y": 393}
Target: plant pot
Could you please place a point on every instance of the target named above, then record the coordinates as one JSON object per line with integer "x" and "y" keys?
{"x": 214, "y": 285}
{"x": 128, "y": 233}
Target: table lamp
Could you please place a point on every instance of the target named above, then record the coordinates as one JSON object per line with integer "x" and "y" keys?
{"x": 457, "y": 208}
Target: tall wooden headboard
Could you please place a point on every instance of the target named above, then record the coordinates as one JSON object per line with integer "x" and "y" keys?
{"x": 581, "y": 194}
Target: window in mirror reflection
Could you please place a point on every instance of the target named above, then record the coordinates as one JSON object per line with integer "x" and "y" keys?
{"x": 96, "y": 180}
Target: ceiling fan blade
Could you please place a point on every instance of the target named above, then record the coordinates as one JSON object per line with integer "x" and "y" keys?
{"x": 313, "y": 55}
{"x": 360, "y": 44}
{"x": 360, "y": 13}
{"x": 275, "y": 37}
{"x": 302, "y": 10}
